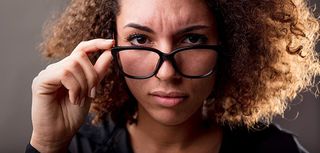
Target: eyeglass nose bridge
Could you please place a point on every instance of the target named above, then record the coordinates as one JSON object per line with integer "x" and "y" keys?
{"x": 166, "y": 57}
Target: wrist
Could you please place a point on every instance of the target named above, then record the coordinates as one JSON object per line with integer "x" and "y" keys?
{"x": 49, "y": 146}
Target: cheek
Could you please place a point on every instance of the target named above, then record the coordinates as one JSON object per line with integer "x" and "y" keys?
{"x": 137, "y": 87}
{"x": 132, "y": 84}
{"x": 202, "y": 88}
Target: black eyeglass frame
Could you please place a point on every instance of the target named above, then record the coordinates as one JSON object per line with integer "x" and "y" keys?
{"x": 163, "y": 56}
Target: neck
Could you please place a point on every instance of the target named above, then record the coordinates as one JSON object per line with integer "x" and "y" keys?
{"x": 172, "y": 138}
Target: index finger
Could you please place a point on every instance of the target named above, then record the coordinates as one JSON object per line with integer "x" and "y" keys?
{"x": 93, "y": 45}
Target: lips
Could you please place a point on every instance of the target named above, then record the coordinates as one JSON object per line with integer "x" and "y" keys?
{"x": 169, "y": 99}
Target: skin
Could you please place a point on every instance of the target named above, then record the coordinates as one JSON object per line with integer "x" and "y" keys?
{"x": 177, "y": 126}
{"x": 60, "y": 93}
{"x": 165, "y": 28}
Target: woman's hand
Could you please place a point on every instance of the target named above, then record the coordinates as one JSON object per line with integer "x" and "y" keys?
{"x": 61, "y": 95}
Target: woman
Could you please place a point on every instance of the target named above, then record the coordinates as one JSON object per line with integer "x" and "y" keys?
{"x": 173, "y": 76}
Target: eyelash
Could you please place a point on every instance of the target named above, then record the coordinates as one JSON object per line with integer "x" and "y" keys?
{"x": 133, "y": 36}
{"x": 202, "y": 38}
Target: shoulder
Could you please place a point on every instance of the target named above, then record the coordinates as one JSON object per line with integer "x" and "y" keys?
{"x": 263, "y": 140}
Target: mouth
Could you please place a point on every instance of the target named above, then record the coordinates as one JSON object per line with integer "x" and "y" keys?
{"x": 169, "y": 99}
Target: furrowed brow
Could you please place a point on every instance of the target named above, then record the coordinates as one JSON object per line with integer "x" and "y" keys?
{"x": 192, "y": 28}
{"x": 139, "y": 27}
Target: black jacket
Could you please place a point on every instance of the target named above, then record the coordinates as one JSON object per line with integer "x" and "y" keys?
{"x": 111, "y": 138}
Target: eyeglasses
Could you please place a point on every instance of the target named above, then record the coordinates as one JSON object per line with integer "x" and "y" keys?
{"x": 143, "y": 62}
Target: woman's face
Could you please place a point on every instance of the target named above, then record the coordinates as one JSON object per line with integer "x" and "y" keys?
{"x": 167, "y": 97}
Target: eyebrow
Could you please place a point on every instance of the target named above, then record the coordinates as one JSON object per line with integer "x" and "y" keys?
{"x": 139, "y": 27}
{"x": 149, "y": 30}
{"x": 192, "y": 28}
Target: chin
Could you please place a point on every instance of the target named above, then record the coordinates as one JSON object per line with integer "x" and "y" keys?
{"x": 170, "y": 117}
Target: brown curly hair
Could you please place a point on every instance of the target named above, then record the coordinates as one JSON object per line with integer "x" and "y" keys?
{"x": 269, "y": 56}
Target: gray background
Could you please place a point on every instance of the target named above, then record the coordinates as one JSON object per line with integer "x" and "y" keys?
{"x": 21, "y": 24}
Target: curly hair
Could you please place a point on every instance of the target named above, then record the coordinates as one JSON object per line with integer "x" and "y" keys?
{"x": 269, "y": 56}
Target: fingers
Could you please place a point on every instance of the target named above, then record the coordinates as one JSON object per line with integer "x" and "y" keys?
{"x": 73, "y": 86}
{"x": 91, "y": 75}
{"x": 94, "y": 74}
{"x": 102, "y": 64}
{"x": 94, "y": 45}
{"x": 76, "y": 72}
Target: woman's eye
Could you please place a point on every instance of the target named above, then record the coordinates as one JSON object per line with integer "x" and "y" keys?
{"x": 195, "y": 39}
{"x": 138, "y": 39}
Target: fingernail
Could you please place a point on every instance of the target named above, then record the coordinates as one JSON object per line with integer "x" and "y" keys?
{"x": 93, "y": 92}
{"x": 76, "y": 101}
{"x": 82, "y": 102}
{"x": 109, "y": 40}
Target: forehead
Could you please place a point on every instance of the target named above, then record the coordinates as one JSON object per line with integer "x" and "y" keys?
{"x": 164, "y": 13}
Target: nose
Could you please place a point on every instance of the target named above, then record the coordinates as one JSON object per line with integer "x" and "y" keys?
{"x": 166, "y": 71}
